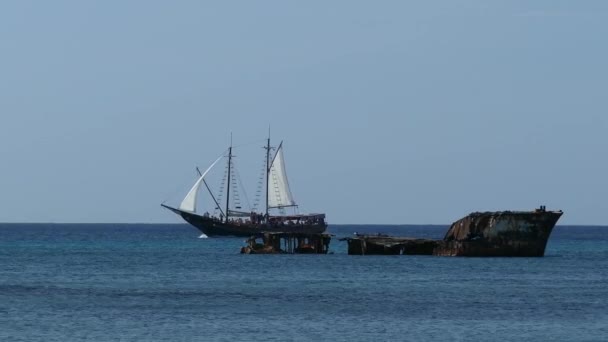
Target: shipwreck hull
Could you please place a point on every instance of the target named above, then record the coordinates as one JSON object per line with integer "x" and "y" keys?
{"x": 502, "y": 233}
{"x": 389, "y": 245}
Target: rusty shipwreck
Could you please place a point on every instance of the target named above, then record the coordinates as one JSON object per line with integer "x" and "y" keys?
{"x": 500, "y": 233}
{"x": 481, "y": 234}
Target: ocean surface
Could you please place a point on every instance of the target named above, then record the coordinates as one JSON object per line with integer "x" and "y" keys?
{"x": 132, "y": 282}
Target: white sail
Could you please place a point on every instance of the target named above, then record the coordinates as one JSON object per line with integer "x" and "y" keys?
{"x": 279, "y": 194}
{"x": 189, "y": 202}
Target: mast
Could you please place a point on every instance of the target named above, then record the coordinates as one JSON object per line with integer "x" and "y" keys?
{"x": 228, "y": 187}
{"x": 267, "y": 169}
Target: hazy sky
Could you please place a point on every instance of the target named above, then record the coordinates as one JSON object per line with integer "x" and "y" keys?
{"x": 391, "y": 111}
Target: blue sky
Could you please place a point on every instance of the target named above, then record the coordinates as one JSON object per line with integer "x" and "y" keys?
{"x": 391, "y": 111}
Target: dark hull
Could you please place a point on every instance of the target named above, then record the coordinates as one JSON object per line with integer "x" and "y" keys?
{"x": 389, "y": 245}
{"x": 504, "y": 233}
{"x": 213, "y": 227}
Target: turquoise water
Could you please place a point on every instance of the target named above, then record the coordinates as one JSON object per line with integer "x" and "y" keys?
{"x": 161, "y": 283}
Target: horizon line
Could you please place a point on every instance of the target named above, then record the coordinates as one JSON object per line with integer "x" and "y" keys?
{"x": 329, "y": 224}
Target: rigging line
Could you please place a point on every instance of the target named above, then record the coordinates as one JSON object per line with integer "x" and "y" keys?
{"x": 238, "y": 176}
{"x": 209, "y": 189}
{"x": 220, "y": 191}
{"x": 258, "y": 191}
{"x": 214, "y": 200}
{"x": 223, "y": 154}
{"x": 228, "y": 182}
{"x": 276, "y": 153}
{"x": 249, "y": 143}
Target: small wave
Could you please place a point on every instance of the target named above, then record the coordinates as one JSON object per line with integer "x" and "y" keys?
{"x": 203, "y": 236}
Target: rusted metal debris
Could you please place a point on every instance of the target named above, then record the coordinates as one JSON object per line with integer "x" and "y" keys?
{"x": 388, "y": 245}
{"x": 500, "y": 233}
{"x": 288, "y": 243}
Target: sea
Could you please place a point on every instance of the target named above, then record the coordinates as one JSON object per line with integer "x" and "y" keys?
{"x": 161, "y": 282}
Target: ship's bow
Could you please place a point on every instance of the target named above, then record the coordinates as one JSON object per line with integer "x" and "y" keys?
{"x": 505, "y": 233}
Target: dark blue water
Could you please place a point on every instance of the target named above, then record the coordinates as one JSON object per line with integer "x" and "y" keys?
{"x": 161, "y": 283}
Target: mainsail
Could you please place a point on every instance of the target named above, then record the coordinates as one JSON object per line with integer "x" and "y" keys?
{"x": 189, "y": 202}
{"x": 279, "y": 194}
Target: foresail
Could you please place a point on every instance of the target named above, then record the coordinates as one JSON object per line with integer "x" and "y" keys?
{"x": 279, "y": 194}
{"x": 189, "y": 202}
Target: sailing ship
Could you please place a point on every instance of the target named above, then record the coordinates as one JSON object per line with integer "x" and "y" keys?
{"x": 230, "y": 220}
